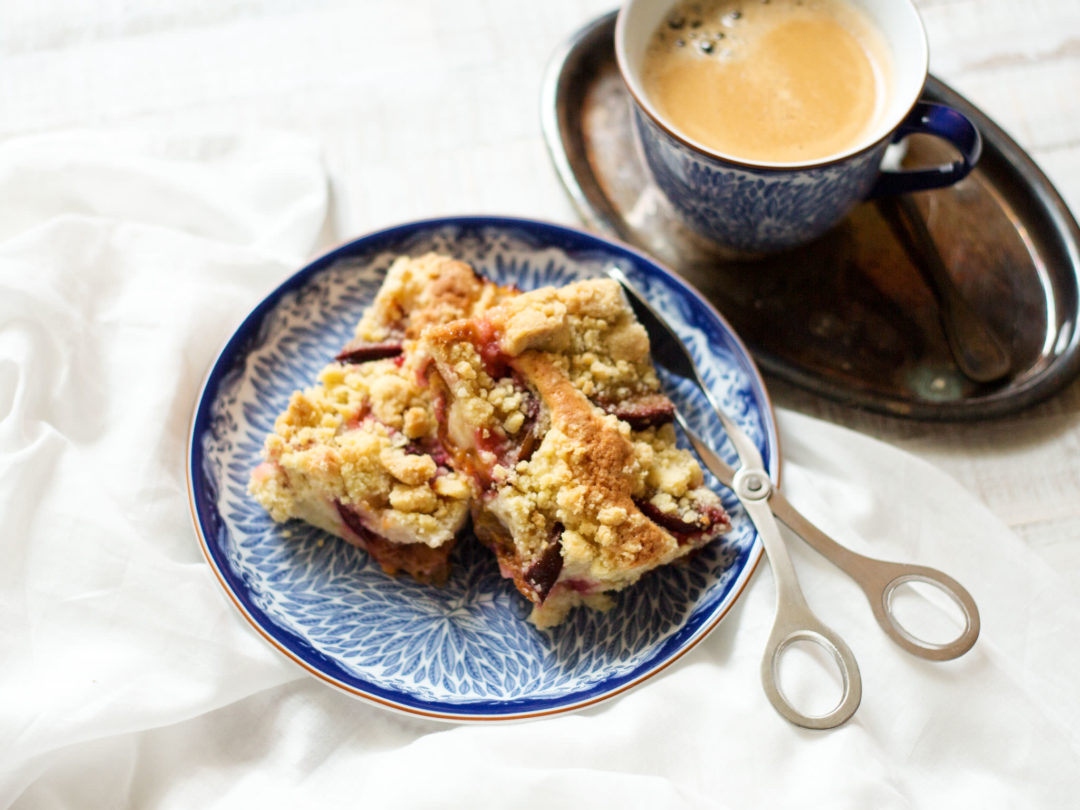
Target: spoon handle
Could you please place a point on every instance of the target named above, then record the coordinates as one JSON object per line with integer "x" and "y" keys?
{"x": 978, "y": 352}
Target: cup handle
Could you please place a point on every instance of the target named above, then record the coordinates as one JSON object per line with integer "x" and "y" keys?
{"x": 942, "y": 122}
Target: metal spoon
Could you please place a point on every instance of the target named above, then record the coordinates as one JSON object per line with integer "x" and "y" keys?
{"x": 978, "y": 352}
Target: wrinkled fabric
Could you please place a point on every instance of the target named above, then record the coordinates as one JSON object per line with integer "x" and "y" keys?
{"x": 127, "y": 680}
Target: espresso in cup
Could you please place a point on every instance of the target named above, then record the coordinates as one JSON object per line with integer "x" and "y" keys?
{"x": 764, "y": 138}
{"x": 782, "y": 81}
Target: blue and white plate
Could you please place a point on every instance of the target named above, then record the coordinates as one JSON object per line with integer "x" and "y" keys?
{"x": 463, "y": 651}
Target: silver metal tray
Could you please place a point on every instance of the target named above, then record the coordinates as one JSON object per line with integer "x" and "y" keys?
{"x": 849, "y": 317}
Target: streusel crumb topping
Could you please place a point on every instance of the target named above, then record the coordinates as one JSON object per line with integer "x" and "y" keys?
{"x": 344, "y": 440}
{"x": 362, "y": 438}
{"x": 541, "y": 411}
{"x": 426, "y": 291}
{"x": 590, "y": 326}
{"x": 553, "y": 398}
{"x": 583, "y": 475}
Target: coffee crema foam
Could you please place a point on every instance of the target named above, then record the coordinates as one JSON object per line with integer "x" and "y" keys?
{"x": 774, "y": 81}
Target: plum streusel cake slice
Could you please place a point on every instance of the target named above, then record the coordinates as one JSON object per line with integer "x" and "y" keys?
{"x": 554, "y": 410}
{"x": 358, "y": 453}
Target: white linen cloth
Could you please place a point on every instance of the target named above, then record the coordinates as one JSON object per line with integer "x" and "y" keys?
{"x": 127, "y": 680}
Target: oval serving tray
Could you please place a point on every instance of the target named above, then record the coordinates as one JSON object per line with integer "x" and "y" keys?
{"x": 462, "y": 651}
{"x": 849, "y": 316}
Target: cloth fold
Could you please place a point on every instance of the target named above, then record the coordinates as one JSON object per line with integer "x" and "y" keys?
{"x": 134, "y": 257}
{"x": 126, "y": 679}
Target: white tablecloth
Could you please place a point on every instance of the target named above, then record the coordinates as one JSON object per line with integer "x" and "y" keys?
{"x": 126, "y": 679}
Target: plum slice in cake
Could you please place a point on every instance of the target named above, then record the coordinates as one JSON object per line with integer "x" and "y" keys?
{"x": 554, "y": 411}
{"x": 358, "y": 453}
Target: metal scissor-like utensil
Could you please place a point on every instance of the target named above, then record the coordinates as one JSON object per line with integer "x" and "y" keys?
{"x": 761, "y": 500}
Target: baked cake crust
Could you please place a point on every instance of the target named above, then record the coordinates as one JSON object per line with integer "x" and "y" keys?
{"x": 358, "y": 453}
{"x": 537, "y": 413}
{"x": 555, "y": 411}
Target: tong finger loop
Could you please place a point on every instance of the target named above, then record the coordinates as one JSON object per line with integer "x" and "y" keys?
{"x": 879, "y": 580}
{"x": 885, "y": 613}
{"x": 781, "y": 640}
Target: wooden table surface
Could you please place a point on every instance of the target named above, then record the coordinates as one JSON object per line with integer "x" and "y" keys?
{"x": 430, "y": 108}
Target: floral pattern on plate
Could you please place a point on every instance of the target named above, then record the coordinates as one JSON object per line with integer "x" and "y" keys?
{"x": 464, "y": 650}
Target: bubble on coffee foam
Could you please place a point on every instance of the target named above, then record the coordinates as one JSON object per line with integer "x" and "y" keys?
{"x": 686, "y": 24}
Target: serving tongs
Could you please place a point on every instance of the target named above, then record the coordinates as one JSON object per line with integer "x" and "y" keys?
{"x": 761, "y": 499}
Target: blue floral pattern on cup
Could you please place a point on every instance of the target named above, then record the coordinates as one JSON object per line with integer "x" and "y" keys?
{"x": 754, "y": 210}
{"x": 461, "y": 651}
